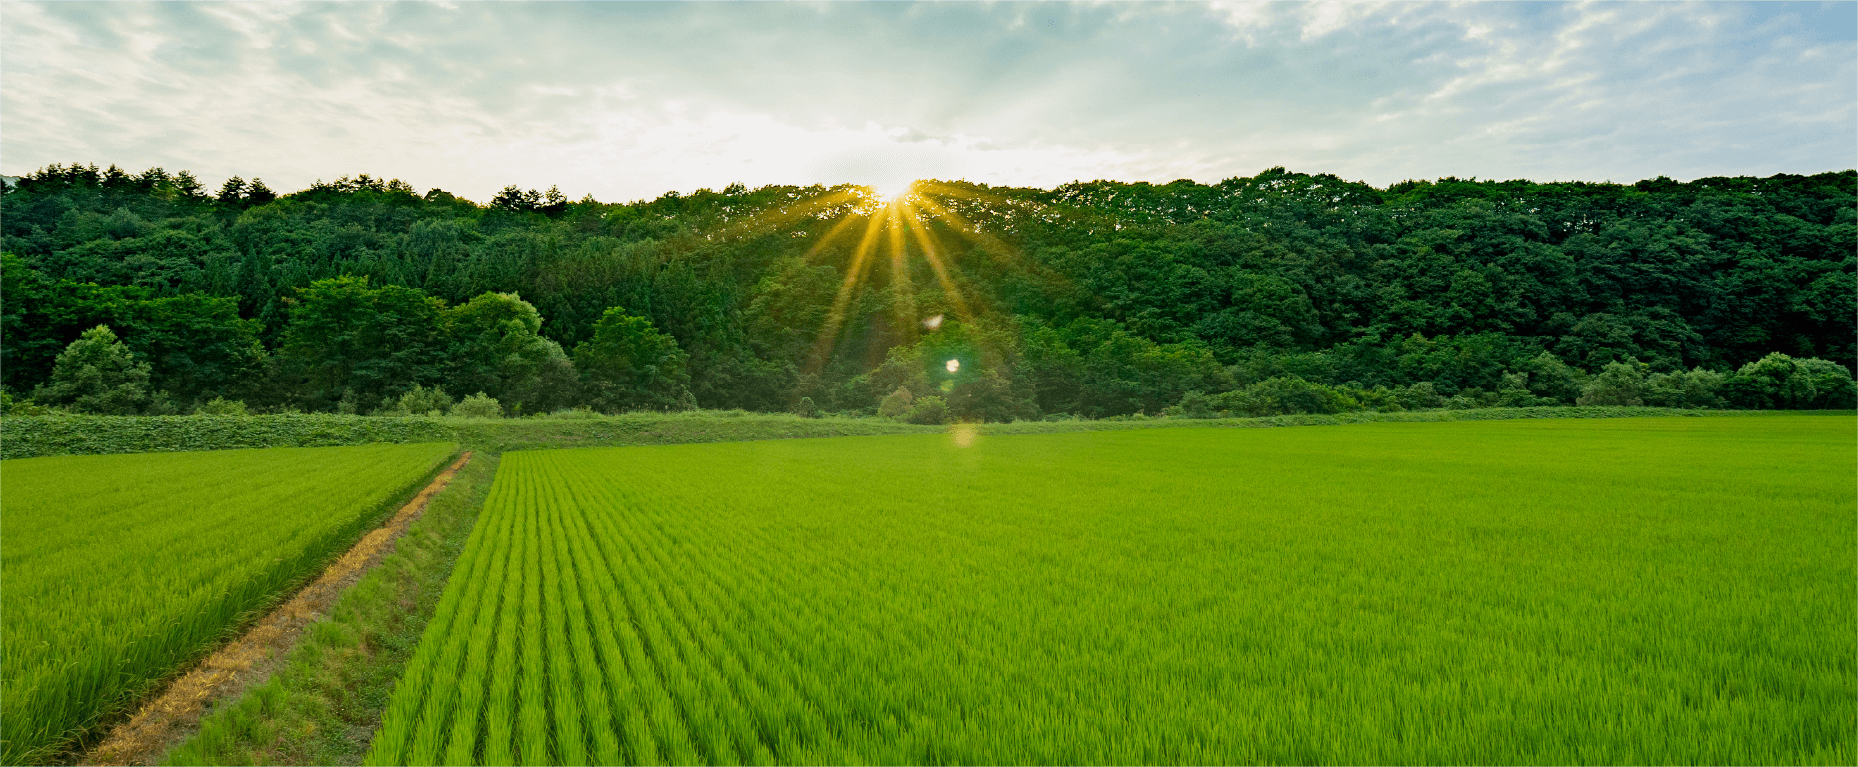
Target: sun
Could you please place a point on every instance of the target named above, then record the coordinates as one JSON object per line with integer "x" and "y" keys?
{"x": 892, "y": 191}
{"x": 895, "y": 218}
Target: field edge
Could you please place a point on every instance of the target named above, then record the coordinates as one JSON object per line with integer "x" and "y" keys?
{"x": 324, "y": 702}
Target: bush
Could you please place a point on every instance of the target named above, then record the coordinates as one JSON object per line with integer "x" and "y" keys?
{"x": 1551, "y": 379}
{"x": 21, "y": 407}
{"x": 569, "y": 413}
{"x": 929, "y": 411}
{"x": 806, "y": 409}
{"x": 1619, "y": 383}
{"x": 1419, "y": 396}
{"x": 479, "y": 405}
{"x": 25, "y": 437}
{"x": 1285, "y": 396}
{"x": 1697, "y": 388}
{"x": 419, "y": 401}
{"x": 222, "y": 406}
{"x": 897, "y": 404}
{"x": 1780, "y": 382}
{"x": 1193, "y": 404}
{"x": 1379, "y": 399}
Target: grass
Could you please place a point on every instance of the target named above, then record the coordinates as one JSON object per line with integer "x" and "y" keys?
{"x": 1553, "y": 591}
{"x": 122, "y": 569}
{"x": 323, "y": 705}
{"x": 26, "y": 437}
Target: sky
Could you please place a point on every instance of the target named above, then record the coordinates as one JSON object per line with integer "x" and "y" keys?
{"x": 628, "y": 100}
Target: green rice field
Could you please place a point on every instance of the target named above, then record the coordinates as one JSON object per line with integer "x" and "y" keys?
{"x": 1570, "y": 591}
{"x": 120, "y": 569}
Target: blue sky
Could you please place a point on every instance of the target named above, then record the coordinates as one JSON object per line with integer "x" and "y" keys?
{"x": 625, "y": 100}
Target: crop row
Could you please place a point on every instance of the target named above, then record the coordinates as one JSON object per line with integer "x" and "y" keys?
{"x": 1382, "y": 593}
{"x": 120, "y": 569}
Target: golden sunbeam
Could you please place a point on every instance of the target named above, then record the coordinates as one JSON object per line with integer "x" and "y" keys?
{"x": 988, "y": 243}
{"x": 831, "y": 234}
{"x": 822, "y": 346}
{"x": 901, "y": 214}
{"x": 924, "y": 240}
{"x": 764, "y": 221}
{"x": 900, "y": 273}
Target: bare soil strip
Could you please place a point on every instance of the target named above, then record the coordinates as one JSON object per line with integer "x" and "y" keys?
{"x": 249, "y": 660}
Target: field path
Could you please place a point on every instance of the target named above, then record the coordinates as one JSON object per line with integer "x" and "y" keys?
{"x": 249, "y": 660}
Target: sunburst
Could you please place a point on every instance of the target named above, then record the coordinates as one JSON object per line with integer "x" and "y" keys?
{"x": 901, "y": 218}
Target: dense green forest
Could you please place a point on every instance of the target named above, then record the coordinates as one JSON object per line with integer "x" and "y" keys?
{"x": 1283, "y": 292}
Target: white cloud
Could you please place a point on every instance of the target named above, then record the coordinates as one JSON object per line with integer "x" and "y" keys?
{"x": 627, "y": 100}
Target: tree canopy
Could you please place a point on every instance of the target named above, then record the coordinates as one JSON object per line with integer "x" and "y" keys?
{"x": 1097, "y": 298}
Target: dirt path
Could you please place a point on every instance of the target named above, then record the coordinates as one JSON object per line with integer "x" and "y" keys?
{"x": 250, "y": 659}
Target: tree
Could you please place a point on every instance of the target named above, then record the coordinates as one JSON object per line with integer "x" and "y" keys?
{"x": 419, "y": 400}
{"x": 258, "y": 193}
{"x": 1780, "y": 382}
{"x": 896, "y": 404}
{"x": 233, "y": 191}
{"x": 629, "y": 365}
{"x": 1697, "y": 388}
{"x": 1284, "y": 396}
{"x": 350, "y": 342}
{"x": 497, "y": 348}
{"x": 928, "y": 411}
{"x": 1553, "y": 379}
{"x": 991, "y": 398}
{"x": 97, "y": 374}
{"x": 516, "y": 200}
{"x": 1619, "y": 383}
{"x": 478, "y": 405}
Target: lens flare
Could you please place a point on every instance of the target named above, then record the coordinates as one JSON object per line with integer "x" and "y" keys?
{"x": 963, "y": 434}
{"x": 953, "y": 366}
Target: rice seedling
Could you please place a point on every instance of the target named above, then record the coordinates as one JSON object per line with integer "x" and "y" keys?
{"x": 120, "y": 569}
{"x": 1644, "y": 591}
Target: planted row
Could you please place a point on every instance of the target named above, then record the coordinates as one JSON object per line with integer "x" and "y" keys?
{"x": 1646, "y": 590}
{"x": 122, "y": 568}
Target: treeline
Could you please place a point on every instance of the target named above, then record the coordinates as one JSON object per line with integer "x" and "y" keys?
{"x": 1283, "y": 292}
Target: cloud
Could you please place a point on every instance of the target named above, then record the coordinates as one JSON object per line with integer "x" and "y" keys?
{"x": 627, "y": 100}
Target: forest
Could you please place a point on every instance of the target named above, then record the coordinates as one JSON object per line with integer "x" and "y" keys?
{"x": 1284, "y": 292}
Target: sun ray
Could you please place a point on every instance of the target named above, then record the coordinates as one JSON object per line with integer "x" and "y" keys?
{"x": 932, "y": 254}
{"x": 900, "y": 273}
{"x": 830, "y": 235}
{"x": 894, "y": 218}
{"x": 989, "y": 244}
{"x": 822, "y": 346}
{"x": 763, "y": 221}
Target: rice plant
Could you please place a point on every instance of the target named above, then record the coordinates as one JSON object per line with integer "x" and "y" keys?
{"x": 1634, "y": 591}
{"x": 120, "y": 569}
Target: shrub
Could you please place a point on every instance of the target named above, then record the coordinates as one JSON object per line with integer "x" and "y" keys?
{"x": 222, "y": 406}
{"x": 419, "y": 401}
{"x": 1193, "y": 404}
{"x": 806, "y": 408}
{"x": 1697, "y": 388}
{"x": 1284, "y": 396}
{"x": 929, "y": 410}
{"x": 1419, "y": 396}
{"x": 479, "y": 405}
{"x": 1619, "y": 384}
{"x": 1780, "y": 382}
{"x": 897, "y": 404}
{"x": 569, "y": 413}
